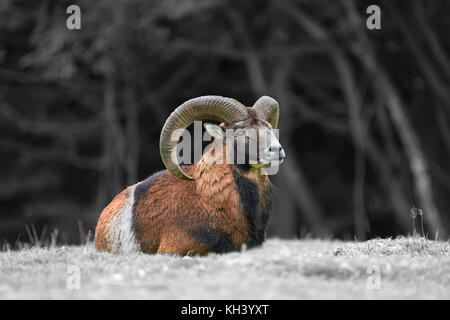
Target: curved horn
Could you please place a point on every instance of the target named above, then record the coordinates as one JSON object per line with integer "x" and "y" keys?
{"x": 268, "y": 109}
{"x": 207, "y": 107}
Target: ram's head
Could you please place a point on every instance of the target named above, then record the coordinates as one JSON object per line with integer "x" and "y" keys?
{"x": 249, "y": 130}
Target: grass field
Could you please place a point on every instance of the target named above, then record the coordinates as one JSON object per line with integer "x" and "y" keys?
{"x": 403, "y": 268}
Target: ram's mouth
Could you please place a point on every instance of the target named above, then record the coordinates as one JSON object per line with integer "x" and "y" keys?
{"x": 262, "y": 163}
{"x": 276, "y": 162}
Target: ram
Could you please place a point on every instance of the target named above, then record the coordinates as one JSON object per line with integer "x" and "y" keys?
{"x": 216, "y": 205}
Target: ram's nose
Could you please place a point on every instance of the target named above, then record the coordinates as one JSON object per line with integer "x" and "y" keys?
{"x": 278, "y": 150}
{"x": 282, "y": 154}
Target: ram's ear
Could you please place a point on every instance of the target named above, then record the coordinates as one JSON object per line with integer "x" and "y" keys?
{"x": 215, "y": 131}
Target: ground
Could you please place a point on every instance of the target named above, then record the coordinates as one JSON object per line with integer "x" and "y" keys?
{"x": 402, "y": 268}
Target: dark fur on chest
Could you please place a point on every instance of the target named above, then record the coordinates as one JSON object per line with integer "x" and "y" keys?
{"x": 255, "y": 204}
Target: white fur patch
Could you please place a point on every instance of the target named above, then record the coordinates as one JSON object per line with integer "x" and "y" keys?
{"x": 122, "y": 238}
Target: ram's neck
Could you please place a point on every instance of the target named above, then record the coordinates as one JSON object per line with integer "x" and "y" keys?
{"x": 214, "y": 179}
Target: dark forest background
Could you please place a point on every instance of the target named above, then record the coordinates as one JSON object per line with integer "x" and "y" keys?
{"x": 365, "y": 114}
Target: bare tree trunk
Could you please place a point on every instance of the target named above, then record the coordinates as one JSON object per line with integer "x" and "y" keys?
{"x": 132, "y": 133}
{"x": 431, "y": 37}
{"x": 113, "y": 139}
{"x": 393, "y": 188}
{"x": 417, "y": 161}
{"x": 440, "y": 88}
{"x": 350, "y": 92}
{"x": 294, "y": 182}
{"x": 357, "y": 131}
{"x": 254, "y": 67}
{"x": 320, "y": 34}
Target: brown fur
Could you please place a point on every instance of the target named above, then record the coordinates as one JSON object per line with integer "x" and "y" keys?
{"x": 171, "y": 205}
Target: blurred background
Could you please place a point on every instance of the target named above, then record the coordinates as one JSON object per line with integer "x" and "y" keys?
{"x": 365, "y": 114}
